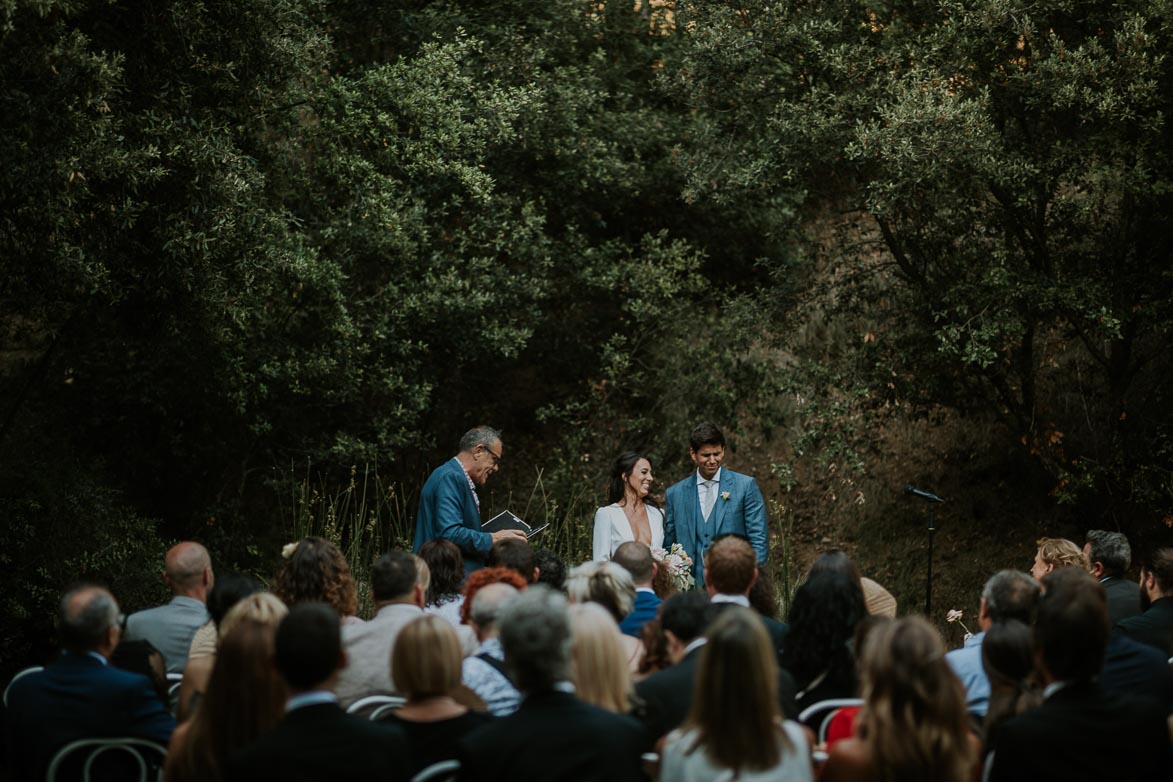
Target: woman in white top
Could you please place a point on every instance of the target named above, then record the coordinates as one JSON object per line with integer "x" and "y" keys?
{"x": 735, "y": 729}
{"x": 632, "y": 514}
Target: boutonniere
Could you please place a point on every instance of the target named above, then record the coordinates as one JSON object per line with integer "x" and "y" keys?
{"x": 725, "y": 496}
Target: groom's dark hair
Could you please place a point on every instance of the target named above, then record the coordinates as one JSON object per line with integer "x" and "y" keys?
{"x": 705, "y": 434}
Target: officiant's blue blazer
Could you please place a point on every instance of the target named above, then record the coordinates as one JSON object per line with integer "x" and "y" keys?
{"x": 448, "y": 510}
{"x": 743, "y": 513}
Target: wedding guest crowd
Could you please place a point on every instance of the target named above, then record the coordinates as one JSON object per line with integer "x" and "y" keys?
{"x": 492, "y": 673}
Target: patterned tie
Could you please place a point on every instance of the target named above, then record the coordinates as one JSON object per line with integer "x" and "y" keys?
{"x": 710, "y": 498}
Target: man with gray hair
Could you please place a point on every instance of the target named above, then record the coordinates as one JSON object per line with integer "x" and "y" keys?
{"x": 1009, "y": 594}
{"x": 187, "y": 571}
{"x": 80, "y": 695}
{"x": 449, "y": 505}
{"x": 1109, "y": 556}
{"x": 485, "y": 672}
{"x": 553, "y": 735}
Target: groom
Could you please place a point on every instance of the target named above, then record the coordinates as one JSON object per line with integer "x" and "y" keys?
{"x": 713, "y": 501}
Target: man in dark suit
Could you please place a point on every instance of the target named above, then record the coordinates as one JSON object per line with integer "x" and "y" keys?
{"x": 317, "y": 741}
{"x": 1109, "y": 555}
{"x": 449, "y": 505}
{"x": 1080, "y": 732}
{"x": 732, "y": 572}
{"x": 80, "y": 696}
{"x": 552, "y": 736}
{"x": 1155, "y": 625}
{"x": 636, "y": 559}
{"x": 667, "y": 694}
{"x": 713, "y": 501}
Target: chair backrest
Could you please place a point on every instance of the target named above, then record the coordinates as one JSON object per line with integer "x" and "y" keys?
{"x": 378, "y": 713}
{"x": 174, "y": 682}
{"x": 818, "y": 715}
{"x": 145, "y": 757}
{"x": 444, "y": 771}
{"x": 370, "y": 702}
{"x": 19, "y": 674}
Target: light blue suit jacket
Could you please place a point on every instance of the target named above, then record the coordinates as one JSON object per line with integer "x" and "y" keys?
{"x": 448, "y": 510}
{"x": 744, "y": 513}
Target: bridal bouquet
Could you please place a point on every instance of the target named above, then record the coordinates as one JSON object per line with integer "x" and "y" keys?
{"x": 678, "y": 564}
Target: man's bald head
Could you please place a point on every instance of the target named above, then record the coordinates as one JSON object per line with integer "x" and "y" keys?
{"x": 486, "y": 604}
{"x": 636, "y": 559}
{"x": 89, "y": 620}
{"x": 187, "y": 569}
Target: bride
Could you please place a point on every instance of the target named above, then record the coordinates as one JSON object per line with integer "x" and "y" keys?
{"x": 632, "y": 514}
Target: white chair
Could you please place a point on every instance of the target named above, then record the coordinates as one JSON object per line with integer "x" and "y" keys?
{"x": 174, "y": 682}
{"x": 378, "y": 713}
{"x": 147, "y": 756}
{"x": 444, "y": 771}
{"x": 374, "y": 702}
{"x": 825, "y": 710}
{"x": 19, "y": 674}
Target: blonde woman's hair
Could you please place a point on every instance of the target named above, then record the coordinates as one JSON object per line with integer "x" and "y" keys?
{"x": 598, "y": 664}
{"x": 263, "y": 607}
{"x": 427, "y": 658}
{"x": 604, "y": 582}
{"x": 735, "y": 711}
{"x": 1061, "y": 552}
{"x": 914, "y": 718}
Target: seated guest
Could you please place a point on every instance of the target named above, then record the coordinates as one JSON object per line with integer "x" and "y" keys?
{"x": 226, "y": 592}
{"x": 1055, "y": 553}
{"x": 317, "y": 740}
{"x": 80, "y": 696}
{"x": 517, "y": 555}
{"x": 734, "y": 724}
{"x": 1008, "y": 595}
{"x": 877, "y": 600}
{"x": 485, "y": 673}
{"x": 445, "y": 589}
{"x": 245, "y": 700}
{"x": 1079, "y": 731}
{"x": 598, "y": 665}
{"x": 399, "y": 582}
{"x": 608, "y": 584}
{"x": 316, "y": 572}
{"x": 426, "y": 667}
{"x": 731, "y": 569}
{"x": 655, "y": 654}
{"x": 667, "y": 695}
{"x": 553, "y": 735}
{"x": 823, "y": 615}
{"x": 763, "y": 597}
{"x": 551, "y": 569}
{"x": 187, "y": 571}
{"x": 1008, "y": 660}
{"x": 1139, "y": 670}
{"x": 479, "y": 579}
{"x": 913, "y": 724}
{"x": 1109, "y": 555}
{"x": 1155, "y": 625}
{"x": 636, "y": 559}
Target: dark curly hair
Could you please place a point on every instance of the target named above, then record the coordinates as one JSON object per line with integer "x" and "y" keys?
{"x": 823, "y": 615}
{"x": 620, "y": 471}
{"x": 317, "y": 572}
{"x": 446, "y": 564}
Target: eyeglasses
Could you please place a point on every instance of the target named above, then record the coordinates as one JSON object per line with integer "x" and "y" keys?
{"x": 496, "y": 456}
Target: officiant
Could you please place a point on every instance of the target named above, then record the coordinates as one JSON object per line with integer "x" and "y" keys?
{"x": 449, "y": 505}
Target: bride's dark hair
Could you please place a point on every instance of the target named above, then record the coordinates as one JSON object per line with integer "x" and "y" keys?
{"x": 620, "y": 472}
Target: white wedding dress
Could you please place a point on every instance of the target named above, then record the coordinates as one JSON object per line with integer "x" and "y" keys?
{"x": 612, "y": 529}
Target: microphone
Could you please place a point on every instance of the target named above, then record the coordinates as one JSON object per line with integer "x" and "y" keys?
{"x": 927, "y": 496}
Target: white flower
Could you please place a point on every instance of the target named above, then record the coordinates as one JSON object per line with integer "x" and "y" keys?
{"x": 953, "y": 615}
{"x": 287, "y": 550}
{"x": 725, "y": 496}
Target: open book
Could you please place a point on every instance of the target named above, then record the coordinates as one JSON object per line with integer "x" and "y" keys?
{"x": 508, "y": 520}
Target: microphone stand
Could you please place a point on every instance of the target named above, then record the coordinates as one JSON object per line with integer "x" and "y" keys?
{"x": 932, "y": 500}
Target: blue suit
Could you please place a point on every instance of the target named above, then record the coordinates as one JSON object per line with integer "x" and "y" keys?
{"x": 449, "y": 510}
{"x": 78, "y": 697}
{"x": 644, "y": 611}
{"x": 743, "y": 513}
